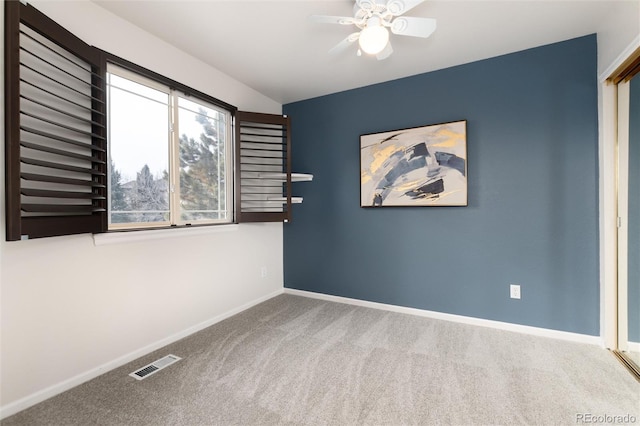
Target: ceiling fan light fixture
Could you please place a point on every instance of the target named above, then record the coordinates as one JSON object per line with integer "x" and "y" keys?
{"x": 375, "y": 21}
{"x": 373, "y": 39}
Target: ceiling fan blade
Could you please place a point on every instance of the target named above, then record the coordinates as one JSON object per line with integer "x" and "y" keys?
{"x": 344, "y": 43}
{"x": 386, "y": 52}
{"x": 366, "y": 4}
{"x": 412, "y": 26}
{"x": 398, "y": 7}
{"x": 326, "y": 19}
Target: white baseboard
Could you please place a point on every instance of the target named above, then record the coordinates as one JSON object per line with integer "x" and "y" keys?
{"x": 525, "y": 329}
{"x": 37, "y": 397}
{"x": 30, "y": 400}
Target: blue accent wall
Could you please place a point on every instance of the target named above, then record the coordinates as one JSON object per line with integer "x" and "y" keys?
{"x": 532, "y": 215}
{"x": 633, "y": 293}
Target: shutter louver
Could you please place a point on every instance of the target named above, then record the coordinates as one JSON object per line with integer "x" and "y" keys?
{"x": 263, "y": 167}
{"x": 56, "y": 152}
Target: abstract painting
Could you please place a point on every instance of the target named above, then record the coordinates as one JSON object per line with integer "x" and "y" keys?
{"x": 421, "y": 166}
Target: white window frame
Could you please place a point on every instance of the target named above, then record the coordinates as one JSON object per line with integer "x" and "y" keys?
{"x": 173, "y": 152}
{"x": 175, "y": 146}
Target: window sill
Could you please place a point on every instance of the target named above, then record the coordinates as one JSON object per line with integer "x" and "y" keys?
{"x": 122, "y": 237}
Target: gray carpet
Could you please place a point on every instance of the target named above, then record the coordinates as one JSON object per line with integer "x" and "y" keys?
{"x": 294, "y": 360}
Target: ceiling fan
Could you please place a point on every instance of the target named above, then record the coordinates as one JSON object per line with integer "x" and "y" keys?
{"x": 375, "y": 18}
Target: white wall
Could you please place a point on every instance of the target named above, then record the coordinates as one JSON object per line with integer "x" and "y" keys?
{"x": 69, "y": 308}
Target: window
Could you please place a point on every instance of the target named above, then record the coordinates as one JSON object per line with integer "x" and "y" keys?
{"x": 91, "y": 148}
{"x": 169, "y": 155}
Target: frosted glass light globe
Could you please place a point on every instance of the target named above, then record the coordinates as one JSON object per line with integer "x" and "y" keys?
{"x": 373, "y": 39}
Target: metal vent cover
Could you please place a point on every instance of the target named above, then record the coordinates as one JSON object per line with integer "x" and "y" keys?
{"x": 154, "y": 367}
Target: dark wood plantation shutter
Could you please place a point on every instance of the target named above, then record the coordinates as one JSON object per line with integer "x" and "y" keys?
{"x": 263, "y": 167}
{"x": 55, "y": 142}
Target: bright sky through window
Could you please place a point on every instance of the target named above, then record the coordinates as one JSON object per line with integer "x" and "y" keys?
{"x": 168, "y": 155}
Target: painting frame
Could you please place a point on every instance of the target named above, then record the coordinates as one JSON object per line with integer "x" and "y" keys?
{"x": 423, "y": 166}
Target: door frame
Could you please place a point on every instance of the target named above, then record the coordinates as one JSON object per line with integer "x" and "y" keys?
{"x": 609, "y": 218}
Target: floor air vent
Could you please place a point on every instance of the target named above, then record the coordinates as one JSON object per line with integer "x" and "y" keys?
{"x": 154, "y": 367}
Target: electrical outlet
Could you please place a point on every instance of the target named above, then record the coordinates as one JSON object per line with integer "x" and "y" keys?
{"x": 263, "y": 272}
{"x": 514, "y": 291}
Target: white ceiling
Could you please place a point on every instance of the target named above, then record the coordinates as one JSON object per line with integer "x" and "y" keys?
{"x": 272, "y": 47}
